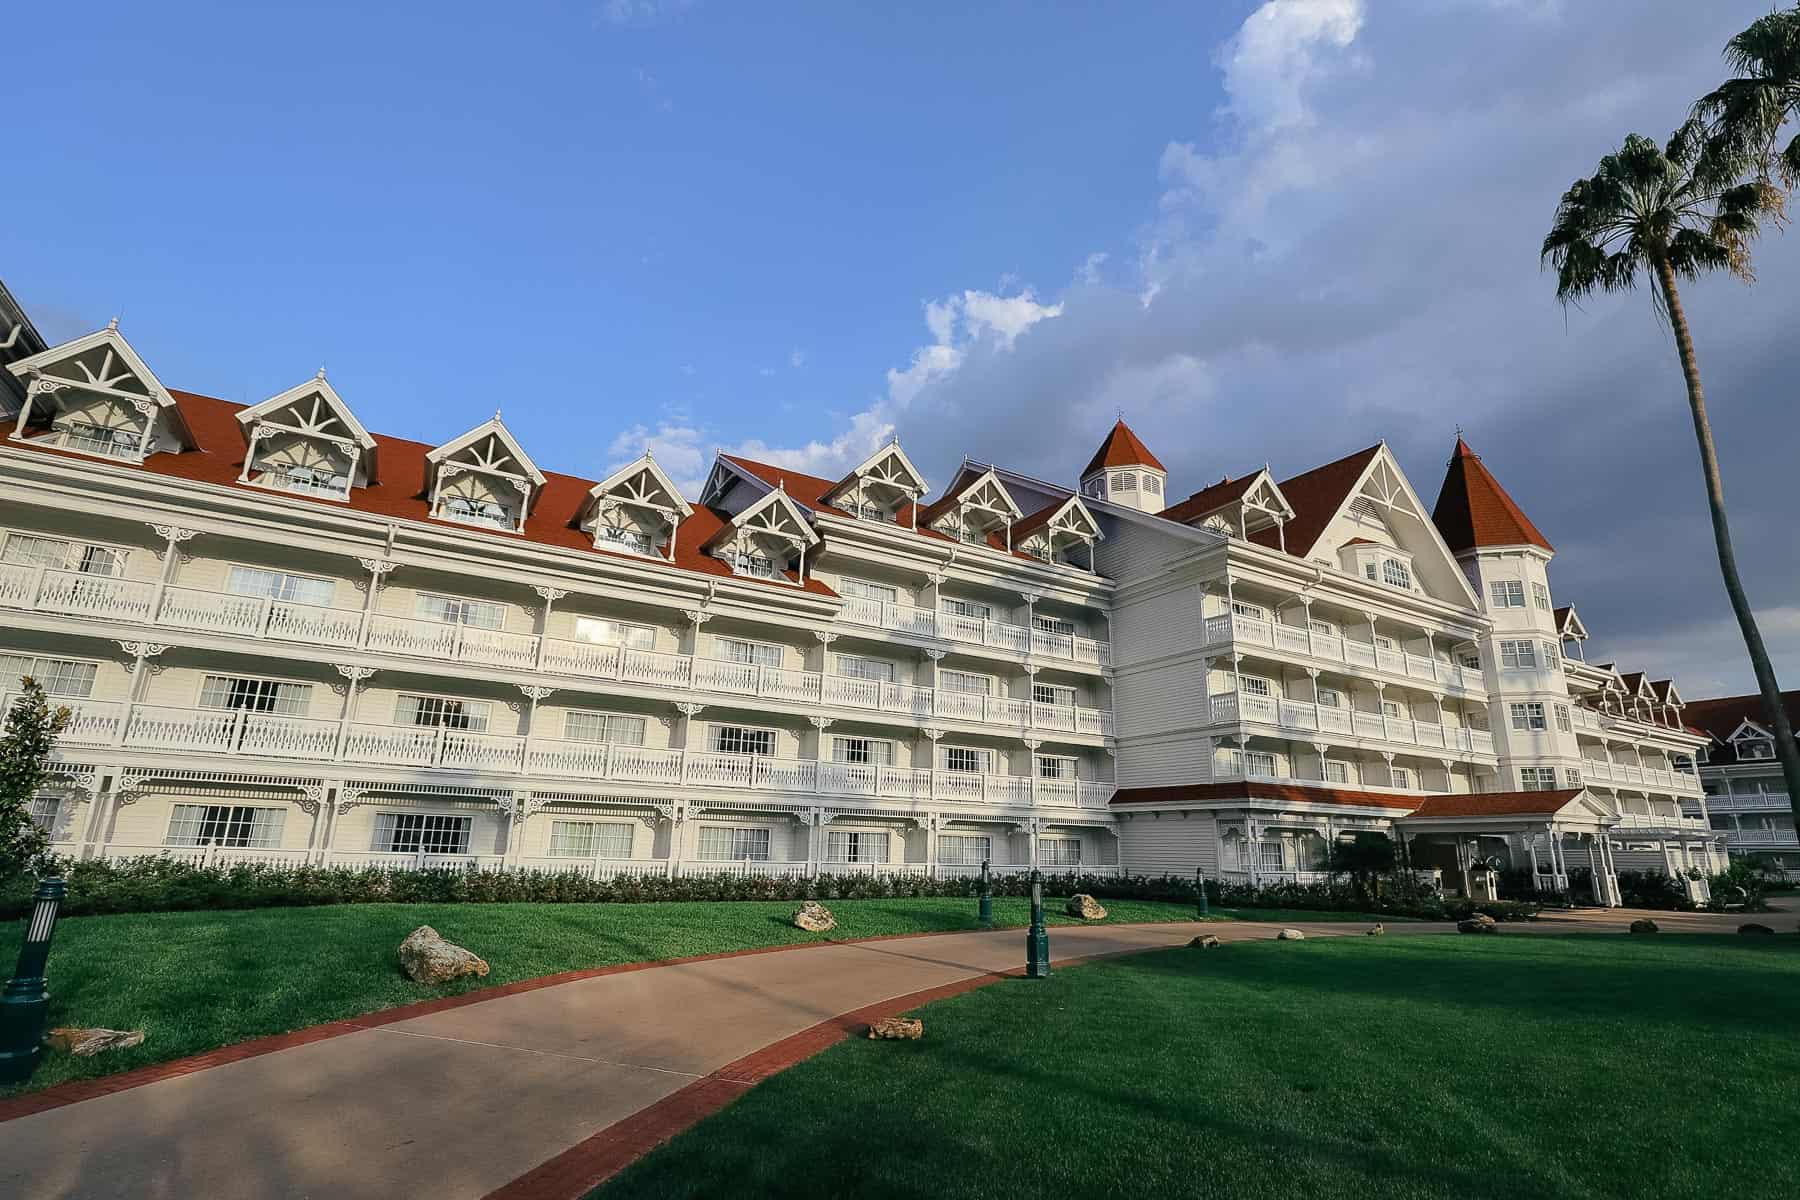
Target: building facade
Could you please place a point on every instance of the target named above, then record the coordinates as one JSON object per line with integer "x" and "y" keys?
{"x": 1746, "y": 797}
{"x": 285, "y": 638}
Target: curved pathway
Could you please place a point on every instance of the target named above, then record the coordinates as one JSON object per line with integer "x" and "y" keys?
{"x": 538, "y": 1091}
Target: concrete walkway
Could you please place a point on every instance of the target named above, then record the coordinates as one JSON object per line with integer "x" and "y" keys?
{"x": 457, "y": 1103}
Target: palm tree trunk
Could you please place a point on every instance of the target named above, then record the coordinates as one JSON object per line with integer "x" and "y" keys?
{"x": 1773, "y": 709}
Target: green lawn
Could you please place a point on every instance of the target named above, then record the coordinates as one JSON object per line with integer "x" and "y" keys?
{"x": 195, "y": 981}
{"x": 1508, "y": 1066}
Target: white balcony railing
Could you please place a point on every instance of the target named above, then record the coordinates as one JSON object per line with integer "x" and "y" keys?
{"x": 1231, "y": 708}
{"x": 975, "y": 631}
{"x": 1761, "y": 839}
{"x": 1333, "y": 648}
{"x": 77, "y": 594}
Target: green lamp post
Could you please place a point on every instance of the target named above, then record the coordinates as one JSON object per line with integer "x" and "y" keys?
{"x": 1037, "y": 941}
{"x": 984, "y": 912}
{"x": 1200, "y": 906}
{"x": 26, "y": 1000}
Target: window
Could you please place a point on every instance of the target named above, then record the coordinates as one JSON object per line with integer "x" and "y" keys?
{"x": 1270, "y": 856}
{"x": 1060, "y": 625}
{"x": 1383, "y": 642}
{"x": 1402, "y": 777}
{"x": 1471, "y": 660}
{"x": 719, "y": 844}
{"x": 421, "y": 833}
{"x": 1053, "y": 693}
{"x": 291, "y": 477}
{"x": 453, "y": 610}
{"x": 98, "y": 439}
{"x": 1395, "y": 573}
{"x": 1330, "y": 698}
{"x": 966, "y": 682}
{"x": 1059, "y": 851}
{"x": 1391, "y": 708}
{"x": 965, "y": 608}
{"x": 855, "y": 666}
{"x": 1756, "y": 748}
{"x": 1255, "y": 612}
{"x": 616, "y": 537}
{"x": 1573, "y": 776}
{"x": 741, "y": 739}
{"x": 965, "y": 758}
{"x": 970, "y": 535}
{"x": 1259, "y": 763}
{"x": 870, "y": 752}
{"x": 59, "y": 676}
{"x": 857, "y": 846}
{"x": 1337, "y": 772}
{"x": 1124, "y": 481}
{"x": 753, "y": 654}
{"x": 1369, "y": 570}
{"x": 1529, "y": 717}
{"x": 225, "y": 825}
{"x": 963, "y": 849}
{"x": 1153, "y": 485}
{"x": 605, "y": 632}
{"x": 1562, "y": 718}
{"x": 1507, "y": 593}
{"x": 613, "y": 728}
{"x": 862, "y": 589}
{"x": 478, "y": 512}
{"x": 1324, "y": 627}
{"x": 1518, "y": 656}
{"x": 43, "y": 812}
{"x": 280, "y": 585}
{"x": 1540, "y": 596}
{"x": 1537, "y": 779}
{"x": 758, "y": 566}
{"x": 590, "y": 839}
{"x": 63, "y": 556}
{"x": 255, "y": 695}
{"x": 441, "y": 711}
{"x": 1054, "y": 766}
{"x": 1254, "y": 685}
{"x": 1552, "y": 656}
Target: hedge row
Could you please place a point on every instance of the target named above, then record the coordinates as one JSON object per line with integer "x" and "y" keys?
{"x": 163, "y": 885}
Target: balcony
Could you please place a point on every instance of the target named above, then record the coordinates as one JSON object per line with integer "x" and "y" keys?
{"x": 1235, "y": 708}
{"x": 1595, "y": 770}
{"x": 76, "y": 594}
{"x": 1761, "y": 802}
{"x": 973, "y": 631}
{"x": 1328, "y": 647}
{"x": 1760, "y": 839}
{"x": 1656, "y": 821}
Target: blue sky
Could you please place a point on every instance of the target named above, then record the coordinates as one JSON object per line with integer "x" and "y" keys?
{"x": 1268, "y": 230}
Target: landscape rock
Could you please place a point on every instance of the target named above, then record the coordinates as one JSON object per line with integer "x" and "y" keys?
{"x": 1290, "y": 935}
{"x": 427, "y": 958}
{"x": 898, "y": 1029}
{"x": 1644, "y": 925}
{"x": 1377, "y": 931}
{"x": 1753, "y": 927}
{"x": 814, "y": 918}
{"x": 85, "y": 1043}
{"x": 1479, "y": 923}
{"x": 1207, "y": 941}
{"x": 1086, "y": 907}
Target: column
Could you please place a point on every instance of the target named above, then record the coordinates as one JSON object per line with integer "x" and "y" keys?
{"x": 688, "y": 712}
{"x": 820, "y": 725}
{"x": 377, "y": 568}
{"x": 533, "y": 693}
{"x": 934, "y": 657}
{"x": 550, "y": 596}
{"x": 355, "y": 675}
{"x": 173, "y": 536}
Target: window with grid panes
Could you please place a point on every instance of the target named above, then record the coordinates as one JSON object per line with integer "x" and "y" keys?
{"x": 741, "y": 739}
{"x": 441, "y": 712}
{"x": 623, "y": 537}
{"x": 255, "y": 695}
{"x": 965, "y": 608}
{"x": 1395, "y": 573}
{"x": 966, "y": 758}
{"x": 1053, "y": 693}
{"x": 1518, "y": 656}
{"x": 454, "y": 610}
{"x": 1055, "y": 766}
{"x": 235, "y": 825}
{"x": 1255, "y": 612}
{"x": 1471, "y": 660}
{"x": 1562, "y": 718}
{"x": 966, "y": 682}
{"x": 1059, "y": 852}
{"x": 58, "y": 676}
{"x": 614, "y": 728}
{"x": 279, "y": 585}
{"x": 1528, "y": 717}
{"x": 1060, "y": 625}
{"x": 721, "y": 844}
{"x": 1537, "y": 779}
{"x": 1322, "y": 627}
{"x": 963, "y": 849}
{"x": 1259, "y": 762}
{"x": 590, "y": 839}
{"x": 1271, "y": 856}
{"x": 1255, "y": 685}
{"x": 868, "y": 752}
{"x": 1330, "y": 698}
{"x": 862, "y": 589}
{"x": 1507, "y": 593}
{"x": 44, "y": 808}
{"x": 753, "y": 654}
{"x": 87, "y": 559}
{"x": 421, "y": 833}
{"x": 1540, "y": 596}
{"x": 1401, "y": 777}
{"x": 857, "y": 846}
{"x": 855, "y": 666}
{"x": 1336, "y": 772}
{"x": 1391, "y": 708}
{"x": 603, "y": 631}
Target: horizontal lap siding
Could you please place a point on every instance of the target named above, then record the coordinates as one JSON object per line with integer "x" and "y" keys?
{"x": 1169, "y": 844}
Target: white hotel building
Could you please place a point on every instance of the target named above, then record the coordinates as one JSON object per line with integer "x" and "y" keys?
{"x": 1746, "y": 797}
{"x": 287, "y": 639}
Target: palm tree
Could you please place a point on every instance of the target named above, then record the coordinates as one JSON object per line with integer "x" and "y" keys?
{"x": 1672, "y": 214}
{"x": 1745, "y": 115}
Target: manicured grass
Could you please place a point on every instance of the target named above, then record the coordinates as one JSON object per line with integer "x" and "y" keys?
{"x": 195, "y": 981}
{"x": 1421, "y": 1066}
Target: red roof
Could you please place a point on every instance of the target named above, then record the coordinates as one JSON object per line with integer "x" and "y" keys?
{"x": 401, "y": 491}
{"x": 1208, "y": 499}
{"x": 1122, "y": 449}
{"x": 1473, "y": 510}
{"x": 1720, "y": 717}
{"x": 1316, "y": 497}
{"x": 1259, "y": 789}
{"x": 1494, "y": 804}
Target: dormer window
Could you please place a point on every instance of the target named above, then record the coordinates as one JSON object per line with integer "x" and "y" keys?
{"x": 1395, "y": 573}
{"x": 766, "y": 540}
{"x": 311, "y": 481}
{"x": 758, "y": 566}
{"x": 975, "y": 511}
{"x": 880, "y": 486}
{"x": 616, "y": 537}
{"x": 1378, "y": 563}
{"x": 1756, "y": 748}
{"x": 95, "y": 396}
{"x": 306, "y": 441}
{"x": 483, "y": 478}
{"x": 478, "y": 510}
{"x": 635, "y": 510}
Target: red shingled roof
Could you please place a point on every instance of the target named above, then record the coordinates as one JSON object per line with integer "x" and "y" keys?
{"x": 1208, "y": 499}
{"x": 1258, "y": 789}
{"x": 1122, "y": 449}
{"x": 1316, "y": 497}
{"x": 1493, "y": 804}
{"x": 1473, "y": 510}
{"x": 1720, "y": 717}
{"x": 401, "y": 491}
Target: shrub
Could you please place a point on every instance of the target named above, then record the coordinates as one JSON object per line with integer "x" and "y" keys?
{"x": 1653, "y": 889}
{"x": 1741, "y": 884}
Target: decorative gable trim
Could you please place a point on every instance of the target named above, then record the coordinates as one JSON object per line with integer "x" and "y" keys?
{"x": 491, "y": 451}
{"x": 1070, "y": 521}
{"x": 1384, "y": 485}
{"x": 644, "y": 486}
{"x": 887, "y": 469}
{"x": 326, "y": 418}
{"x": 488, "y": 457}
{"x": 101, "y": 364}
{"x": 774, "y": 517}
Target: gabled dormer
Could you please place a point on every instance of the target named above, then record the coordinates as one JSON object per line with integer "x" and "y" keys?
{"x": 1237, "y": 508}
{"x": 878, "y": 488}
{"x": 94, "y": 395}
{"x": 1669, "y": 700}
{"x": 766, "y": 540}
{"x": 978, "y": 508}
{"x": 1061, "y": 532}
{"x": 307, "y": 440}
{"x": 1572, "y": 632}
{"x": 483, "y": 478}
{"x": 635, "y": 510}
{"x": 1750, "y": 741}
{"x": 1373, "y": 526}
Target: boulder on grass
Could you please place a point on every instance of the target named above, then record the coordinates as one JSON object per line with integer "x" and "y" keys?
{"x": 1377, "y": 931}
{"x": 85, "y": 1043}
{"x": 1290, "y": 935}
{"x": 1479, "y": 923}
{"x": 814, "y": 918}
{"x": 427, "y": 958}
{"x": 1086, "y": 907}
{"x": 903, "y": 1029}
{"x": 1644, "y": 925}
{"x": 1207, "y": 941}
{"x": 1753, "y": 927}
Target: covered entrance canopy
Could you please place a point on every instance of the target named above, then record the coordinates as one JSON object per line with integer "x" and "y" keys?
{"x": 1551, "y": 832}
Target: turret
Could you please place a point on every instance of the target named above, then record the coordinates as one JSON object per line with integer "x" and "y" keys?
{"x": 1123, "y": 471}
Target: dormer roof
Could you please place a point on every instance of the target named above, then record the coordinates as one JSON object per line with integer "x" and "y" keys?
{"x": 643, "y": 483}
{"x": 313, "y": 409}
{"x": 494, "y": 448}
{"x": 1568, "y": 624}
{"x": 888, "y": 465}
{"x": 1473, "y": 512}
{"x": 103, "y": 363}
{"x": 1122, "y": 448}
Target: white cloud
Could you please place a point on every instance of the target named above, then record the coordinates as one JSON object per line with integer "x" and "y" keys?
{"x": 1280, "y": 49}
{"x": 677, "y": 447}
{"x": 797, "y": 359}
{"x": 626, "y": 14}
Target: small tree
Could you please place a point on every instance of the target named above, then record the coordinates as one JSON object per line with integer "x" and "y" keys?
{"x": 32, "y": 728}
{"x": 1365, "y": 858}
